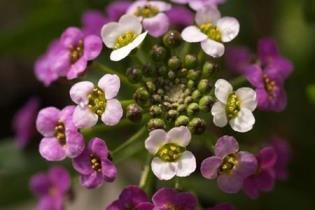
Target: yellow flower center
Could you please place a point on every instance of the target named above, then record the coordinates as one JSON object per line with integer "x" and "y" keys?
{"x": 233, "y": 106}
{"x": 270, "y": 86}
{"x": 229, "y": 162}
{"x": 97, "y": 101}
{"x": 147, "y": 11}
{"x": 95, "y": 163}
{"x": 60, "y": 133}
{"x": 211, "y": 31}
{"x": 76, "y": 52}
{"x": 170, "y": 152}
{"x": 125, "y": 39}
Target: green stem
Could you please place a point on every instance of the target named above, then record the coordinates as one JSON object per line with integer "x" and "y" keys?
{"x": 125, "y": 103}
{"x": 145, "y": 177}
{"x": 238, "y": 81}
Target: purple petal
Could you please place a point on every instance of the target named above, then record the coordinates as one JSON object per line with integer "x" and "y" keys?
{"x": 71, "y": 36}
{"x": 92, "y": 47}
{"x": 46, "y": 121}
{"x": 237, "y": 59}
{"x": 116, "y": 9}
{"x": 109, "y": 170}
{"x": 145, "y": 206}
{"x": 132, "y": 196}
{"x": 223, "y": 206}
{"x": 92, "y": 180}
{"x": 247, "y": 164}
{"x": 267, "y": 48}
{"x": 157, "y": 25}
{"x": 254, "y": 75}
{"x": 75, "y": 143}
{"x": 93, "y": 21}
{"x": 250, "y": 187}
{"x": 230, "y": 183}
{"x": 265, "y": 180}
{"x": 98, "y": 147}
{"x": 50, "y": 203}
{"x": 164, "y": 196}
{"x": 226, "y": 145}
{"x": 40, "y": 184}
{"x": 77, "y": 68}
{"x": 284, "y": 66}
{"x": 185, "y": 200}
{"x": 51, "y": 150}
{"x": 60, "y": 178}
{"x": 284, "y": 154}
{"x": 82, "y": 163}
{"x": 180, "y": 16}
{"x": 267, "y": 157}
{"x": 210, "y": 166}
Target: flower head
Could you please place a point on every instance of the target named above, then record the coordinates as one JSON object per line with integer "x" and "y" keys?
{"x": 24, "y": 122}
{"x": 97, "y": 101}
{"x": 235, "y": 107}
{"x": 61, "y": 138}
{"x": 229, "y": 165}
{"x": 116, "y": 9}
{"x": 180, "y": 16}
{"x": 171, "y": 157}
{"x": 131, "y": 198}
{"x": 222, "y": 206}
{"x": 211, "y": 31}
{"x": 92, "y": 22}
{"x": 168, "y": 199}
{"x": 93, "y": 164}
{"x": 51, "y": 188}
{"x": 123, "y": 36}
{"x": 152, "y": 15}
{"x": 264, "y": 178}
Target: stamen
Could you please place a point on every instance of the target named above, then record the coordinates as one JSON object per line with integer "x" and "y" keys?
{"x": 232, "y": 106}
{"x": 211, "y": 31}
{"x": 60, "y": 133}
{"x": 170, "y": 152}
{"x": 270, "y": 86}
{"x": 97, "y": 101}
{"x": 229, "y": 162}
{"x": 125, "y": 39}
{"x": 147, "y": 11}
{"x": 76, "y": 52}
{"x": 95, "y": 163}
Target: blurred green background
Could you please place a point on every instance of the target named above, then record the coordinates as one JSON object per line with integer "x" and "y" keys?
{"x": 28, "y": 26}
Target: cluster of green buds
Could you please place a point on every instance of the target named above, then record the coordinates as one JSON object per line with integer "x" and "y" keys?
{"x": 174, "y": 87}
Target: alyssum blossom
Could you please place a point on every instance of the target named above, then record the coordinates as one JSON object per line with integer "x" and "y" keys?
{"x": 234, "y": 107}
{"x": 61, "y": 137}
{"x": 97, "y": 101}
{"x": 212, "y": 31}
{"x": 229, "y": 165}
{"x": 200, "y": 4}
{"x": 94, "y": 165}
{"x": 151, "y": 14}
{"x": 123, "y": 36}
{"x": 171, "y": 157}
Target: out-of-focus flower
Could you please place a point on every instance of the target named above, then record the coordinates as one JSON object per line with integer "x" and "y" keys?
{"x": 93, "y": 21}
{"x": 284, "y": 154}
{"x": 223, "y": 206}
{"x": 94, "y": 165}
{"x": 234, "y": 107}
{"x": 264, "y": 178}
{"x": 131, "y": 198}
{"x": 51, "y": 188}
{"x": 123, "y": 36}
{"x": 96, "y": 101}
{"x": 229, "y": 165}
{"x": 167, "y": 198}
{"x": 24, "y": 122}
{"x": 180, "y": 16}
{"x": 152, "y": 15}
{"x": 171, "y": 157}
{"x": 211, "y": 31}
{"x": 61, "y": 138}
{"x": 200, "y": 4}
{"x": 116, "y": 9}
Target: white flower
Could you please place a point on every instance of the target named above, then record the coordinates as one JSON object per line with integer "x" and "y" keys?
{"x": 212, "y": 31}
{"x": 171, "y": 157}
{"x": 96, "y": 101}
{"x": 123, "y": 36}
{"x": 235, "y": 107}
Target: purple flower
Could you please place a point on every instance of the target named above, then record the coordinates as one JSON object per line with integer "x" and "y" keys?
{"x": 229, "y": 165}
{"x": 116, "y": 9}
{"x": 264, "y": 178}
{"x": 61, "y": 138}
{"x": 24, "y": 122}
{"x": 167, "y": 198}
{"x": 131, "y": 198}
{"x": 284, "y": 154}
{"x": 200, "y": 4}
{"x": 51, "y": 188}
{"x": 93, "y": 164}
{"x": 92, "y": 22}
{"x": 154, "y": 20}
{"x": 223, "y": 206}
{"x": 180, "y": 16}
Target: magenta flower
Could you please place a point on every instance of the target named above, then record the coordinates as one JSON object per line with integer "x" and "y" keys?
{"x": 223, "y": 206}
{"x": 200, "y": 4}
{"x": 264, "y": 178}
{"x": 284, "y": 154}
{"x": 117, "y": 9}
{"x": 167, "y": 198}
{"x": 92, "y": 22}
{"x": 229, "y": 165}
{"x": 154, "y": 20}
{"x": 180, "y": 16}
{"x": 94, "y": 166}
{"x": 51, "y": 188}
{"x": 61, "y": 138}
{"x": 131, "y": 198}
{"x": 24, "y": 122}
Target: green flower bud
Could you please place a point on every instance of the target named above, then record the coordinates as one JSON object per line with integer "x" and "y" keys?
{"x": 150, "y": 86}
{"x": 148, "y": 70}
{"x": 190, "y": 61}
{"x": 158, "y": 53}
{"x": 134, "y": 74}
{"x": 192, "y": 109}
{"x": 141, "y": 96}
{"x": 157, "y": 97}
{"x": 134, "y": 112}
{"x": 205, "y": 103}
{"x": 156, "y": 123}
{"x": 181, "y": 108}
{"x": 162, "y": 70}
{"x": 171, "y": 74}
{"x": 172, "y": 39}
{"x": 174, "y": 63}
{"x": 197, "y": 126}
{"x": 190, "y": 84}
{"x": 188, "y": 100}
{"x": 183, "y": 72}
{"x": 207, "y": 70}
{"x": 193, "y": 74}
{"x": 156, "y": 111}
{"x": 171, "y": 114}
{"x": 182, "y": 120}
{"x": 204, "y": 86}
{"x": 196, "y": 95}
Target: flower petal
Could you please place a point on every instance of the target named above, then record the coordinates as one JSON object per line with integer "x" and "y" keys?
{"x": 213, "y": 48}
{"x": 186, "y": 164}
{"x": 267, "y": 157}
{"x": 109, "y": 170}
{"x": 157, "y": 25}
{"x": 92, "y": 47}
{"x": 110, "y": 32}
{"x": 179, "y": 135}
{"x": 243, "y": 122}
{"x": 156, "y": 139}
{"x": 60, "y": 178}
{"x": 163, "y": 170}
{"x": 51, "y": 150}
{"x": 71, "y": 36}
{"x": 77, "y": 68}
{"x": 113, "y": 112}
{"x": 210, "y": 167}
{"x": 98, "y": 147}
{"x": 222, "y": 90}
{"x": 46, "y": 121}
{"x": 80, "y": 91}
{"x": 130, "y": 23}
{"x": 209, "y": 14}
{"x": 82, "y": 163}
{"x": 75, "y": 143}
{"x": 226, "y": 145}
{"x": 193, "y": 34}
{"x": 219, "y": 115}
{"x": 84, "y": 118}
{"x": 247, "y": 164}
{"x": 110, "y": 84}
{"x": 229, "y": 28}
{"x": 230, "y": 183}
{"x": 93, "y": 180}
{"x": 247, "y": 97}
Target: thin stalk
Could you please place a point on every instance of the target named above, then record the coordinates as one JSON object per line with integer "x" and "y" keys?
{"x": 145, "y": 176}
{"x": 125, "y": 103}
{"x": 238, "y": 81}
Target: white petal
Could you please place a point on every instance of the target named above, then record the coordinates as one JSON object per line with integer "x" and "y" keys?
{"x": 243, "y": 122}
{"x": 213, "y": 48}
{"x": 156, "y": 139}
{"x": 84, "y": 118}
{"x": 193, "y": 34}
{"x": 109, "y": 33}
{"x": 130, "y": 23}
{"x": 163, "y": 170}
{"x": 123, "y": 52}
{"x": 219, "y": 115}
{"x": 79, "y": 92}
{"x": 186, "y": 164}
{"x": 113, "y": 112}
{"x": 110, "y": 84}
{"x": 179, "y": 135}
{"x": 222, "y": 90}
{"x": 229, "y": 28}
{"x": 209, "y": 14}
{"x": 247, "y": 98}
